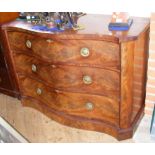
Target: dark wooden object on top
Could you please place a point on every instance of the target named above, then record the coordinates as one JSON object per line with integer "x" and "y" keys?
{"x": 92, "y": 79}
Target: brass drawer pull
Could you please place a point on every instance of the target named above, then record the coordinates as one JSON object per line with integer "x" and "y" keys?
{"x": 39, "y": 91}
{"x": 89, "y": 106}
{"x": 84, "y": 52}
{"x": 28, "y": 44}
{"x": 87, "y": 79}
{"x": 49, "y": 40}
{"x": 34, "y": 68}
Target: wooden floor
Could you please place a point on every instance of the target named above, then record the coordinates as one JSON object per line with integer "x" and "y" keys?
{"x": 36, "y": 127}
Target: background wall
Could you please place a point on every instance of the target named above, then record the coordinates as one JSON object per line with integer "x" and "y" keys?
{"x": 150, "y": 95}
{"x": 131, "y": 13}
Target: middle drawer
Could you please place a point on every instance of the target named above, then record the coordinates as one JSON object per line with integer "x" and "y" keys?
{"x": 70, "y": 78}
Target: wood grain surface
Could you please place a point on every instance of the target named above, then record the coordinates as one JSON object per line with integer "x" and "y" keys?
{"x": 70, "y": 78}
{"x": 127, "y": 58}
{"x": 104, "y": 108}
{"x": 101, "y": 53}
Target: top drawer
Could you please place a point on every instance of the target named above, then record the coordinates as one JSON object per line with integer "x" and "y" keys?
{"x": 80, "y": 52}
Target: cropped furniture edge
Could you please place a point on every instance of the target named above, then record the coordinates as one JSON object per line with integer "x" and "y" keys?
{"x": 127, "y": 49}
{"x": 6, "y": 85}
{"x": 9, "y": 87}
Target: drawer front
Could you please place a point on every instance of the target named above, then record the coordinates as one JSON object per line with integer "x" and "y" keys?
{"x": 84, "y": 105}
{"x": 70, "y": 78}
{"x": 82, "y": 52}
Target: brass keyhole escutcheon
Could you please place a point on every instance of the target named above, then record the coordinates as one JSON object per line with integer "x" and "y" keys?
{"x": 49, "y": 40}
{"x": 89, "y": 106}
{"x": 28, "y": 44}
{"x": 34, "y": 68}
{"x": 85, "y": 52}
{"x": 39, "y": 91}
{"x": 87, "y": 79}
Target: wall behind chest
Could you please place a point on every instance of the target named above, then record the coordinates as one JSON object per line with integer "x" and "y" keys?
{"x": 150, "y": 95}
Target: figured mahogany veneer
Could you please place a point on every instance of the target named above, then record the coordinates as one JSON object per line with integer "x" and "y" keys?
{"x": 67, "y": 51}
{"x": 70, "y": 78}
{"x": 71, "y": 103}
{"x": 92, "y": 79}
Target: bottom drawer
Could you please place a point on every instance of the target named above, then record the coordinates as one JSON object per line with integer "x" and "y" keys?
{"x": 83, "y": 105}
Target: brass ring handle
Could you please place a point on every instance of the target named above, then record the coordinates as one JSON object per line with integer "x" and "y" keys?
{"x": 34, "y": 68}
{"x": 87, "y": 79}
{"x": 89, "y": 106}
{"x": 39, "y": 91}
{"x": 28, "y": 44}
{"x": 84, "y": 52}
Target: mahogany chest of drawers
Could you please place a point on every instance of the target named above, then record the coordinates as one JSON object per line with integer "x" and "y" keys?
{"x": 92, "y": 79}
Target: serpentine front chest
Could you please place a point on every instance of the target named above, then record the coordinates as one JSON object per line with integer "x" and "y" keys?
{"x": 92, "y": 79}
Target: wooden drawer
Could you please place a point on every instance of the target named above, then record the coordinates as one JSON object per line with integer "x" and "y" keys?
{"x": 70, "y": 78}
{"x": 84, "y": 105}
{"x": 81, "y": 52}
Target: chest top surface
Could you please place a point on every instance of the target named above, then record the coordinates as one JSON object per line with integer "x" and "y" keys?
{"x": 95, "y": 27}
